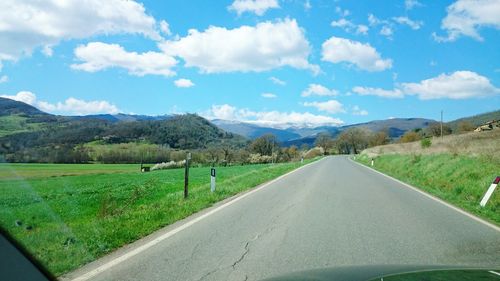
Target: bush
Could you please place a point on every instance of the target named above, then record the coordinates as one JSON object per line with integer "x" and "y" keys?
{"x": 425, "y": 143}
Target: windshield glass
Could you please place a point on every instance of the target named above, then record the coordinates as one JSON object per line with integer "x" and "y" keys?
{"x": 249, "y": 139}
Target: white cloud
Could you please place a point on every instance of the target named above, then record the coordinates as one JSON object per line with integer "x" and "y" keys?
{"x": 277, "y": 81}
{"x": 266, "y": 46}
{"x": 466, "y": 17}
{"x": 165, "y": 28}
{"x": 364, "y": 56}
{"x": 318, "y": 90}
{"x": 358, "y": 111}
{"x": 183, "y": 83}
{"x": 331, "y": 106}
{"x": 349, "y": 26}
{"x": 268, "y": 95}
{"x": 47, "y": 51}
{"x": 457, "y": 85}
{"x": 26, "y": 25}
{"x": 415, "y": 25}
{"x": 362, "y": 29}
{"x": 98, "y": 56}
{"x": 343, "y": 23}
{"x": 342, "y": 12}
{"x": 273, "y": 119}
{"x": 373, "y": 20}
{"x": 70, "y": 106}
{"x": 367, "y": 91}
{"x": 23, "y": 96}
{"x": 386, "y": 31}
{"x": 410, "y": 4}
{"x": 4, "y": 79}
{"x": 307, "y": 5}
{"x": 258, "y": 7}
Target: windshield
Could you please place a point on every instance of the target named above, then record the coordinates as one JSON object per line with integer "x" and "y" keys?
{"x": 249, "y": 139}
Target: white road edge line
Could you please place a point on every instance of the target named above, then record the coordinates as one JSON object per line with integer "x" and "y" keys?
{"x": 494, "y": 272}
{"x": 157, "y": 240}
{"x": 434, "y": 198}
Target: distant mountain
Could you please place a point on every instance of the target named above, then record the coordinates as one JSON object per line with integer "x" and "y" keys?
{"x": 121, "y": 117}
{"x": 297, "y": 136}
{"x": 254, "y": 131}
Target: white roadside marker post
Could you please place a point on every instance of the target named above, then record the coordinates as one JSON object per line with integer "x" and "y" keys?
{"x": 488, "y": 193}
{"x": 372, "y": 162}
{"x": 212, "y": 180}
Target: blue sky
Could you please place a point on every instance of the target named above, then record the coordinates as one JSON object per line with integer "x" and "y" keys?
{"x": 271, "y": 62}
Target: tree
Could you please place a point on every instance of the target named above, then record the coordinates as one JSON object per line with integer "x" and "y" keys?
{"x": 435, "y": 129}
{"x": 465, "y": 126}
{"x": 410, "y": 136}
{"x": 265, "y": 145}
{"x": 352, "y": 140}
{"x": 379, "y": 138}
{"x": 324, "y": 140}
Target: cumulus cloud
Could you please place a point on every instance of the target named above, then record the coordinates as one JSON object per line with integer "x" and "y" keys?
{"x": 386, "y": 31}
{"x": 277, "y": 81}
{"x": 410, "y": 4}
{"x": 349, "y": 26}
{"x": 26, "y": 25}
{"x": 367, "y": 91}
{"x": 96, "y": 56}
{"x": 358, "y": 111}
{"x": 266, "y": 46}
{"x": 457, "y": 85}
{"x": 415, "y": 25}
{"x": 318, "y": 90}
{"x": 183, "y": 83}
{"x": 362, "y": 29}
{"x": 466, "y": 17}
{"x": 268, "y": 95}
{"x": 165, "y": 28}
{"x": 273, "y": 119}
{"x": 364, "y": 56}
{"x": 70, "y": 106}
{"x": 331, "y": 106}
{"x": 258, "y": 7}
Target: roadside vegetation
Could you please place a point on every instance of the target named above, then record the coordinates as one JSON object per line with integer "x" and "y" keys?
{"x": 67, "y": 221}
{"x": 455, "y": 168}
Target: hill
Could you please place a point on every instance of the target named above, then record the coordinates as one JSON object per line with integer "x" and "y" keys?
{"x": 394, "y": 127}
{"x": 29, "y": 135}
{"x": 476, "y": 120}
{"x": 12, "y": 107}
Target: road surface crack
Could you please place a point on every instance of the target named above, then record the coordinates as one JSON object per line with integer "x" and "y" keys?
{"x": 242, "y": 256}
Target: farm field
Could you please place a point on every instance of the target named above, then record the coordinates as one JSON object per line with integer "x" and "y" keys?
{"x": 69, "y": 215}
{"x": 9, "y": 171}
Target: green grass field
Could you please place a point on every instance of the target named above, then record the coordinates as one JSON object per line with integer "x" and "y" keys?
{"x": 458, "y": 179}
{"x": 13, "y": 124}
{"x": 67, "y": 221}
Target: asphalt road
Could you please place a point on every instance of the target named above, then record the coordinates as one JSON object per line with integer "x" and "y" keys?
{"x": 331, "y": 213}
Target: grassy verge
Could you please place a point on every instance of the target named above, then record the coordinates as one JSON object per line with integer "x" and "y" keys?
{"x": 458, "y": 179}
{"x": 68, "y": 221}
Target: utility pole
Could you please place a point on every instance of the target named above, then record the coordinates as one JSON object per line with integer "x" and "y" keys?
{"x": 186, "y": 175}
{"x": 441, "y": 124}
